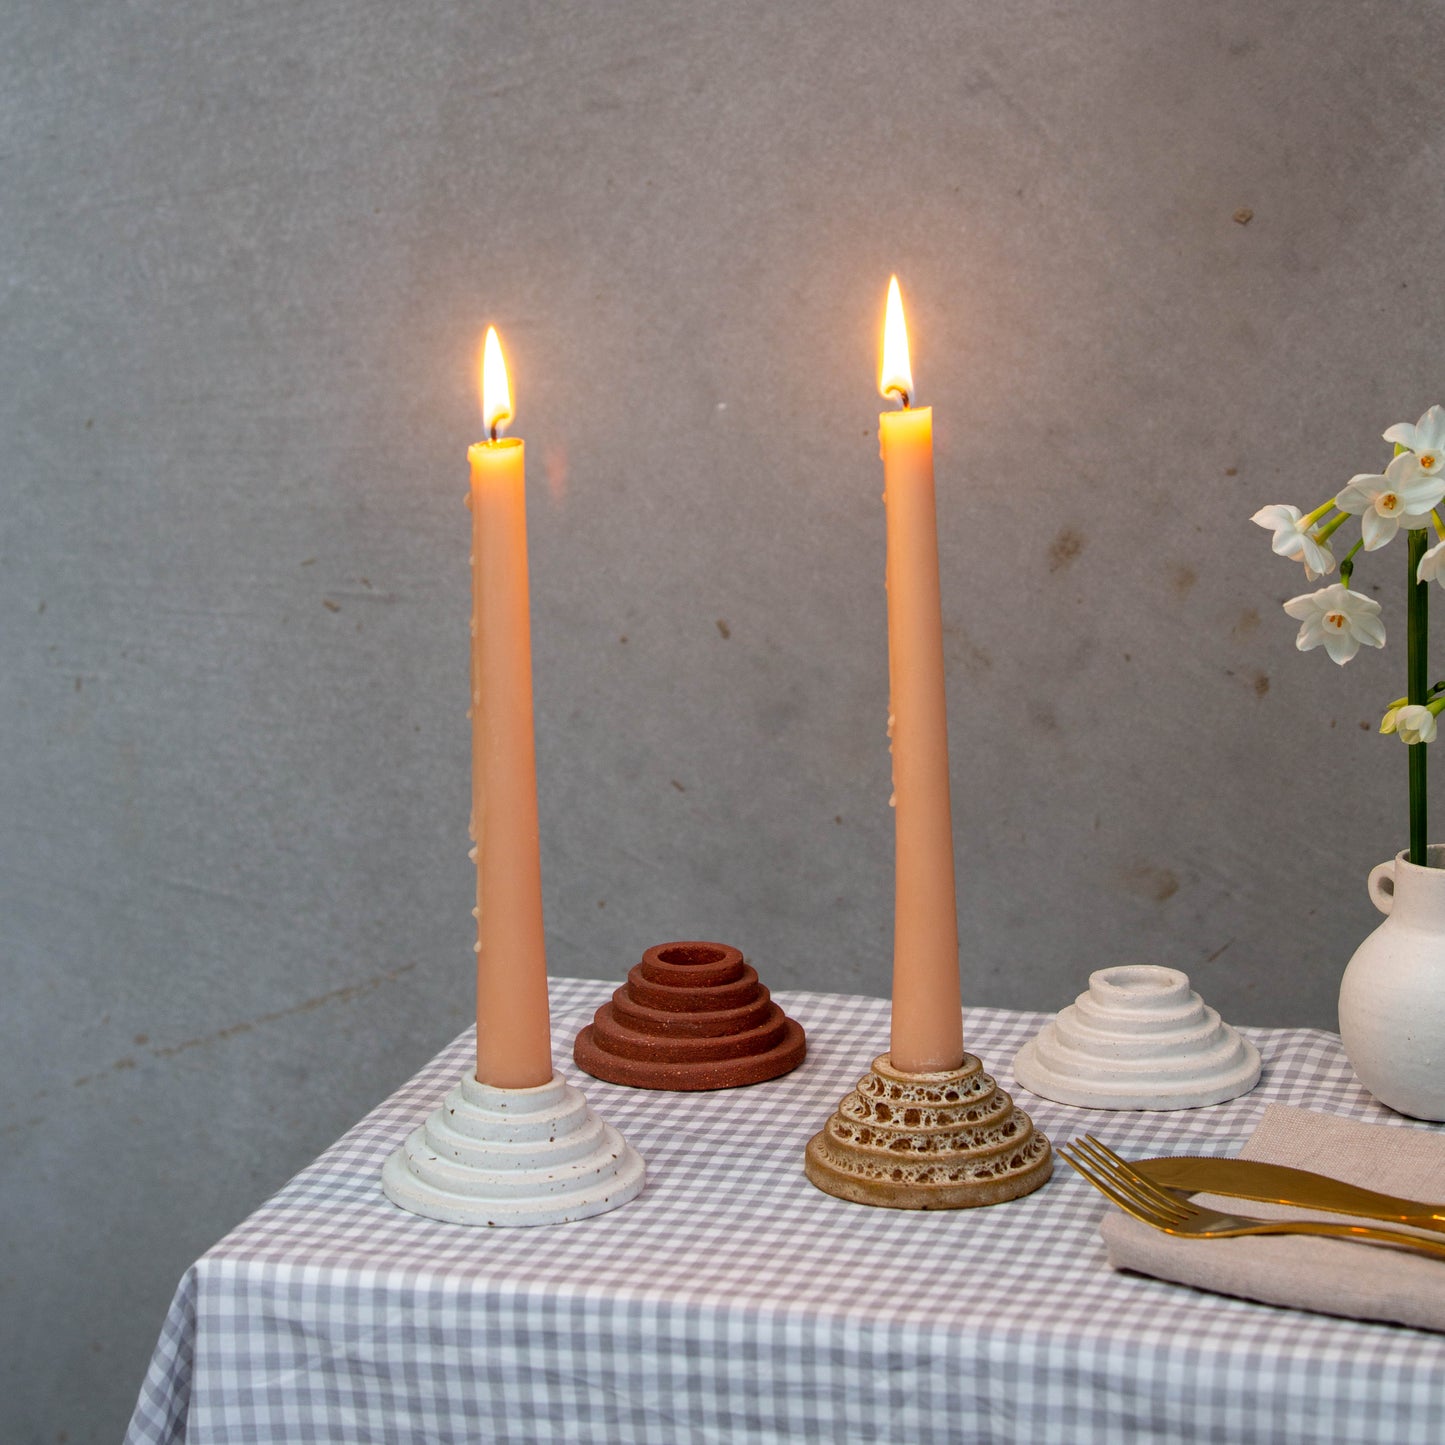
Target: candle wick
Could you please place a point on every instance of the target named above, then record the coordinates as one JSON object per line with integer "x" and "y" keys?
{"x": 902, "y": 395}
{"x": 494, "y": 427}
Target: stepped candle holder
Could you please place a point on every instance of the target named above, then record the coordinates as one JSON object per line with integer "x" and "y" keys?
{"x": 513, "y": 1143}
{"x": 690, "y": 1016}
{"x": 925, "y": 1128}
{"x": 935, "y": 1139}
{"x": 1138, "y": 1038}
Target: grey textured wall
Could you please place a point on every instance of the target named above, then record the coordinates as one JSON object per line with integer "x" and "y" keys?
{"x": 247, "y": 251}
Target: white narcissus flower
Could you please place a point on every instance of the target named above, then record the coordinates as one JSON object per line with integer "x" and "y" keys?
{"x": 1426, "y": 439}
{"x": 1292, "y": 540}
{"x": 1338, "y": 619}
{"x": 1403, "y": 496}
{"x": 1432, "y": 565}
{"x": 1415, "y": 724}
{"x": 1391, "y": 717}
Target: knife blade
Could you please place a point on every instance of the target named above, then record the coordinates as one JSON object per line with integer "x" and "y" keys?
{"x": 1281, "y": 1184}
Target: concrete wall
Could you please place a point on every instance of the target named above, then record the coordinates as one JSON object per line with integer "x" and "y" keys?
{"x": 247, "y": 252}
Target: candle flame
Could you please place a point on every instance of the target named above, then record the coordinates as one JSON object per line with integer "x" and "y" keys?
{"x": 496, "y": 392}
{"x": 896, "y": 376}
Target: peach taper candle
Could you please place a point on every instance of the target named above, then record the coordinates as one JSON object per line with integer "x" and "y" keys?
{"x": 514, "y": 1043}
{"x": 925, "y": 1127}
{"x": 927, "y": 1033}
{"x": 514, "y": 1143}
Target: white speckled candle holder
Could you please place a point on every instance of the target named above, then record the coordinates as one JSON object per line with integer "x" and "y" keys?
{"x": 1140, "y": 1038}
{"x": 513, "y": 1157}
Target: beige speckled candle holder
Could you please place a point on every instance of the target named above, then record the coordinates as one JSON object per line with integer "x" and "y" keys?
{"x": 948, "y": 1140}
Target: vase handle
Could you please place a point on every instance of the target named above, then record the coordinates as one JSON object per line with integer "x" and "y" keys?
{"x": 1382, "y": 886}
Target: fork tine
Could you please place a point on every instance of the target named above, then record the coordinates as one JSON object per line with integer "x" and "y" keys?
{"x": 1082, "y": 1166}
{"x": 1107, "y": 1188}
{"x": 1147, "y": 1187}
{"x": 1142, "y": 1191}
{"x": 1149, "y": 1200}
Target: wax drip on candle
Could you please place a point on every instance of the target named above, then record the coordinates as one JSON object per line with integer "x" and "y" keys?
{"x": 895, "y": 378}
{"x": 893, "y": 796}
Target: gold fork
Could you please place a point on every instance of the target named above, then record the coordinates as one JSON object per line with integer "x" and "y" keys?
{"x": 1174, "y": 1213}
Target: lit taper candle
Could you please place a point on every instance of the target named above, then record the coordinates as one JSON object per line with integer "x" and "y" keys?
{"x": 927, "y": 1033}
{"x": 514, "y": 1041}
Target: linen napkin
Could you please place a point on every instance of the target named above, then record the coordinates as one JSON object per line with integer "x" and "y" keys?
{"x": 1329, "y": 1276}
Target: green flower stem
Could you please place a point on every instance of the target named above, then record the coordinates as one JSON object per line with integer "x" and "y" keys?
{"x": 1308, "y": 521}
{"x": 1347, "y": 562}
{"x": 1330, "y": 528}
{"x": 1418, "y": 624}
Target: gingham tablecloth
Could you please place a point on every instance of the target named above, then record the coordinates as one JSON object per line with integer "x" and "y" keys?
{"x": 735, "y": 1302}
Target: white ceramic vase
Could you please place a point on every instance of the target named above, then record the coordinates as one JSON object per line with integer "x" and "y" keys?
{"x": 1392, "y": 997}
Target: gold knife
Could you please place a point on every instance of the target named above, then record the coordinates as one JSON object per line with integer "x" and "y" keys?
{"x": 1279, "y": 1184}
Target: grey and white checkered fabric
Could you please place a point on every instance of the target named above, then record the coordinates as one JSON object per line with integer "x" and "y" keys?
{"x": 734, "y": 1302}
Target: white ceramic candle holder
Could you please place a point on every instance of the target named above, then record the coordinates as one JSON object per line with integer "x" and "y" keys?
{"x": 1140, "y": 1038}
{"x": 513, "y": 1157}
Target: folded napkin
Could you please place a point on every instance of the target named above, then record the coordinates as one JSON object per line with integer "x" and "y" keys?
{"x": 1331, "y": 1276}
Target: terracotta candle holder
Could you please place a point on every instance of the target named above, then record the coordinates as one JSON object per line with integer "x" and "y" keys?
{"x": 948, "y": 1140}
{"x": 690, "y": 1016}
